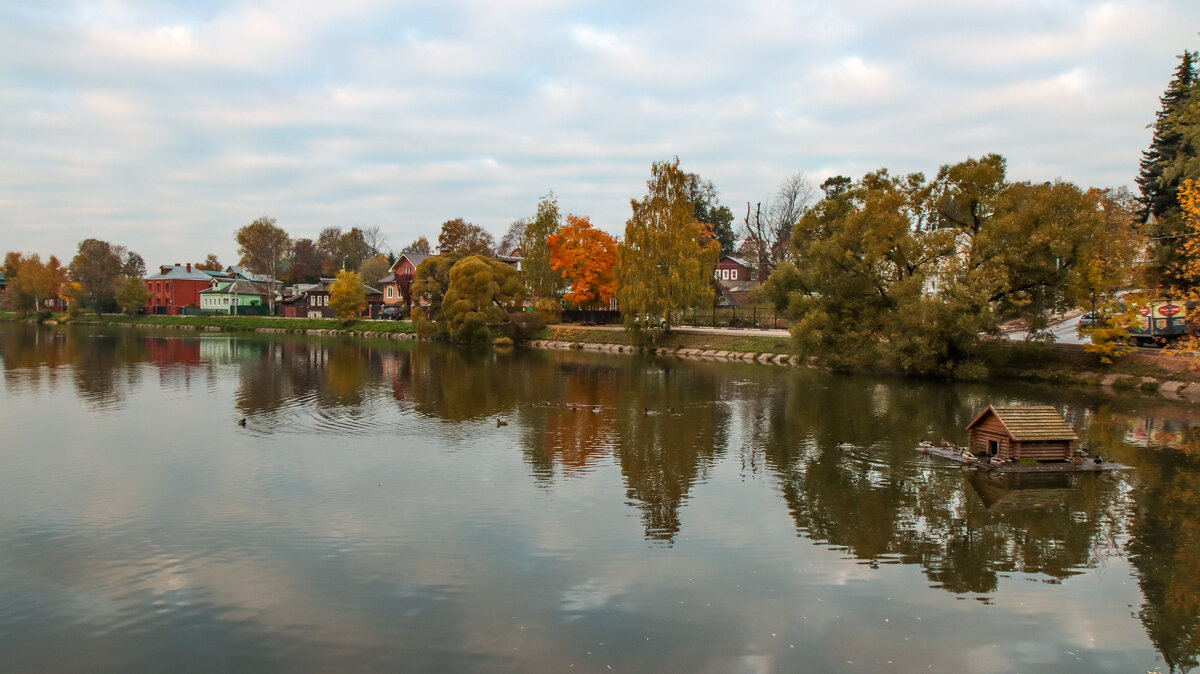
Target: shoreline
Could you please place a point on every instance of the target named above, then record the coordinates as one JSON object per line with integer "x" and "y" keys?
{"x": 732, "y": 347}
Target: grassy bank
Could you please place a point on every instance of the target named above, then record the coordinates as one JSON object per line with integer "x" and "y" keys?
{"x": 244, "y": 323}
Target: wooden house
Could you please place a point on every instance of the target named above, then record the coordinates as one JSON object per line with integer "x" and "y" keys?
{"x": 1022, "y": 432}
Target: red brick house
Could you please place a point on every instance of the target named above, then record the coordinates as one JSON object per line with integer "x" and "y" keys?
{"x": 395, "y": 286}
{"x": 175, "y": 287}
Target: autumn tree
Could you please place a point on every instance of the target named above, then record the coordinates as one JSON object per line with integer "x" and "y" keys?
{"x": 535, "y": 252}
{"x": 265, "y": 248}
{"x": 343, "y": 250}
{"x": 31, "y": 282}
{"x": 347, "y": 296}
{"x": 211, "y": 263}
{"x": 431, "y": 279}
{"x": 909, "y": 272}
{"x": 460, "y": 236}
{"x": 374, "y": 268}
{"x": 586, "y": 258}
{"x": 482, "y": 292}
{"x": 307, "y": 261}
{"x": 97, "y": 269}
{"x": 666, "y": 259}
{"x": 419, "y": 245}
{"x": 131, "y": 294}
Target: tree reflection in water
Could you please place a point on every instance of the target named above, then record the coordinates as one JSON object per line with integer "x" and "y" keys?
{"x": 882, "y": 502}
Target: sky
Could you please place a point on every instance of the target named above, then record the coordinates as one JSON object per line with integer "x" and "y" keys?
{"x": 166, "y": 126}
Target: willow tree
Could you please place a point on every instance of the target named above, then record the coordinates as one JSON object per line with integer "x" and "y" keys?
{"x": 666, "y": 260}
{"x": 482, "y": 292}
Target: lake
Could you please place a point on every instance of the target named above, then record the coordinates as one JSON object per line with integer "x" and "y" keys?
{"x": 373, "y": 514}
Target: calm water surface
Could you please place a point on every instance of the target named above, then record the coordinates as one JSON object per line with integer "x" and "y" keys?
{"x": 372, "y": 515}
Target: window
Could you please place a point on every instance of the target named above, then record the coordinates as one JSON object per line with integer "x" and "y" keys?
{"x": 389, "y": 292}
{"x": 724, "y": 274}
{"x": 716, "y": 273}
{"x": 732, "y": 274}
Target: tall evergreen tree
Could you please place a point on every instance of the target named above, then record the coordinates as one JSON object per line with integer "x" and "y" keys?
{"x": 1162, "y": 171}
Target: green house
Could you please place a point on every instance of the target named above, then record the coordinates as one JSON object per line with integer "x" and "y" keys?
{"x": 226, "y": 296}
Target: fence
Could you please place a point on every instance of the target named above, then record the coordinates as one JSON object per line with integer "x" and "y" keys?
{"x": 735, "y": 317}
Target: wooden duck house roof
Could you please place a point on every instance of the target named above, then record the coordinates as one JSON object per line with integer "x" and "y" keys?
{"x": 1026, "y": 423}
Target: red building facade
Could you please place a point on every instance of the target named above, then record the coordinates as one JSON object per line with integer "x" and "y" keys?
{"x": 174, "y": 288}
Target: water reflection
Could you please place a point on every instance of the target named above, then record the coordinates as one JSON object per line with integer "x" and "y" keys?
{"x": 653, "y": 441}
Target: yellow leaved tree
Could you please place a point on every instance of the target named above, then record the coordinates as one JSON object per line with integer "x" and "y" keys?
{"x": 666, "y": 260}
{"x": 347, "y": 296}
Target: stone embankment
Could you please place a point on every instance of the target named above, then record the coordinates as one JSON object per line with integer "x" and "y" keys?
{"x": 1173, "y": 390}
{"x": 699, "y": 354}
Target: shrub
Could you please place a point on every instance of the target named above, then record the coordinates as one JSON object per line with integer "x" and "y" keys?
{"x": 551, "y": 310}
{"x": 525, "y": 325}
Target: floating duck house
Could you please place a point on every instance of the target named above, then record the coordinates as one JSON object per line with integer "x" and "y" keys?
{"x": 1022, "y": 432}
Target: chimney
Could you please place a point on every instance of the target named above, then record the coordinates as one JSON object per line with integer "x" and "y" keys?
{"x": 189, "y": 267}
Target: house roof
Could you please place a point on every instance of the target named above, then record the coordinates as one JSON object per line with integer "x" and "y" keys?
{"x": 239, "y": 270}
{"x": 1027, "y": 423}
{"x": 414, "y": 258}
{"x": 179, "y": 272}
{"x": 238, "y": 287}
{"x": 736, "y": 260}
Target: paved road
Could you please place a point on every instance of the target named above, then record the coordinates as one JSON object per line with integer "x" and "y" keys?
{"x": 1065, "y": 332}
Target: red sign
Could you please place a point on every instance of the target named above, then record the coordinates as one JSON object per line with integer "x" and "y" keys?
{"x": 1169, "y": 309}
{"x": 1145, "y": 311}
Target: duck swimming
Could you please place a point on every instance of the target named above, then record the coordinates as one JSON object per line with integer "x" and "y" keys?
{"x": 845, "y": 445}
{"x": 501, "y": 422}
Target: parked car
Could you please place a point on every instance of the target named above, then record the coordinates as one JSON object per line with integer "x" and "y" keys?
{"x": 1090, "y": 320}
{"x": 393, "y": 314}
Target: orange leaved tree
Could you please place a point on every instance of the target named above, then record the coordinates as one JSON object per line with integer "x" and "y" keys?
{"x": 587, "y": 258}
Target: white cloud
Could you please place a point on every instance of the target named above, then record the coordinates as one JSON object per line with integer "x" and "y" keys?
{"x": 413, "y": 114}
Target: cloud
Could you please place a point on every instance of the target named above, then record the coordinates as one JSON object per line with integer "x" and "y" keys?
{"x": 117, "y": 115}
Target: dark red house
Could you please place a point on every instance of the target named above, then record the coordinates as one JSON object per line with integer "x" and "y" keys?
{"x": 174, "y": 288}
{"x": 395, "y": 286}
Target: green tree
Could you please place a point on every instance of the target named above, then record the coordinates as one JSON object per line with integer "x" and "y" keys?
{"x": 97, "y": 269}
{"x": 347, "y": 296}
{"x": 667, "y": 258}
{"x": 482, "y": 292}
{"x": 131, "y": 294}
{"x": 909, "y": 273}
{"x": 1169, "y": 160}
{"x": 460, "y": 236}
{"x": 535, "y": 252}
{"x": 707, "y": 209}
